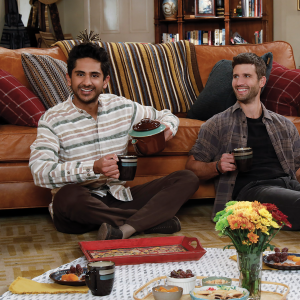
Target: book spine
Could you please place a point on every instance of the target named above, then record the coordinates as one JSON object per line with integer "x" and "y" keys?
{"x": 223, "y": 36}
{"x": 205, "y": 37}
{"x": 217, "y": 37}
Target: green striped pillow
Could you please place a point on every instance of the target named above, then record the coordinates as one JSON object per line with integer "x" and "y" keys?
{"x": 47, "y": 77}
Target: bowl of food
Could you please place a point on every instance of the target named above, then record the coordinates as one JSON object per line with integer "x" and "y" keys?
{"x": 216, "y": 280}
{"x": 184, "y": 279}
{"x": 219, "y": 292}
{"x": 167, "y": 292}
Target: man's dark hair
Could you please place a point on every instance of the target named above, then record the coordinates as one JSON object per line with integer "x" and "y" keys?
{"x": 90, "y": 50}
{"x": 251, "y": 59}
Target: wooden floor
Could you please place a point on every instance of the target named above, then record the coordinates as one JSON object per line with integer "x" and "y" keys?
{"x": 30, "y": 245}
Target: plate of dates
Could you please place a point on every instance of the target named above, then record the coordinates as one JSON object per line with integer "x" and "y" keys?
{"x": 74, "y": 276}
{"x": 282, "y": 260}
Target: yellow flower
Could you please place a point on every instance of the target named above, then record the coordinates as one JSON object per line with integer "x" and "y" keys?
{"x": 264, "y": 229}
{"x": 245, "y": 243}
{"x": 265, "y": 222}
{"x": 253, "y": 238}
{"x": 274, "y": 224}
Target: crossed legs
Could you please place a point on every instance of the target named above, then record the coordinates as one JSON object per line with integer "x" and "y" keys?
{"x": 76, "y": 210}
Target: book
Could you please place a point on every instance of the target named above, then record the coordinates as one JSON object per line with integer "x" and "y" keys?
{"x": 217, "y": 37}
{"x": 223, "y": 36}
{"x": 209, "y": 38}
{"x": 204, "y": 37}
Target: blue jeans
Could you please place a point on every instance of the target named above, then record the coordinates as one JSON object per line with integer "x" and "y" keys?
{"x": 284, "y": 192}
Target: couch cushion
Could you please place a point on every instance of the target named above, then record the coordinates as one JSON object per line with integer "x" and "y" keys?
{"x": 18, "y": 105}
{"x": 10, "y": 60}
{"x": 208, "y": 56}
{"x": 47, "y": 77}
{"x": 164, "y": 76}
{"x": 218, "y": 94}
{"x": 282, "y": 92}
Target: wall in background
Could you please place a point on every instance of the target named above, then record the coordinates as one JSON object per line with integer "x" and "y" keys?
{"x": 286, "y": 22}
{"x": 114, "y": 20}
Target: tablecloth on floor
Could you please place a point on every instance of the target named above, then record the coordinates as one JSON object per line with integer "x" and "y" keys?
{"x": 129, "y": 278}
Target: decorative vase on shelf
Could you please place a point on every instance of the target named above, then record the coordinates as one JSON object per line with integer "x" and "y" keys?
{"x": 170, "y": 9}
{"x": 250, "y": 270}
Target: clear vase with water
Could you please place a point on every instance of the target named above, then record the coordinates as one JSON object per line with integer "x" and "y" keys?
{"x": 250, "y": 272}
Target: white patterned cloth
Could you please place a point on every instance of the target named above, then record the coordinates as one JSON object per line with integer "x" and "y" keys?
{"x": 129, "y": 278}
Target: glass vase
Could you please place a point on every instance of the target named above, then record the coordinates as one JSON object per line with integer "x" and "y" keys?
{"x": 250, "y": 269}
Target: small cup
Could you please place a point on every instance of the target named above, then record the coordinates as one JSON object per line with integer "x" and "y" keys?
{"x": 100, "y": 277}
{"x": 127, "y": 167}
{"x": 243, "y": 158}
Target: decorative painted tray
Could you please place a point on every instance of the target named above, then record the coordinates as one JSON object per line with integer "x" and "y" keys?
{"x": 145, "y": 292}
{"x": 144, "y": 250}
{"x": 282, "y": 266}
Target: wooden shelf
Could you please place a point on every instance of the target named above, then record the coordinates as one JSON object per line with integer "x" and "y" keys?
{"x": 245, "y": 26}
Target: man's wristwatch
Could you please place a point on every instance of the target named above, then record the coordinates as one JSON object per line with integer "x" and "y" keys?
{"x": 220, "y": 173}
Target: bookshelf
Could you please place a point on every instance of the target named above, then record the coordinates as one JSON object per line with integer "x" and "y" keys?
{"x": 185, "y": 21}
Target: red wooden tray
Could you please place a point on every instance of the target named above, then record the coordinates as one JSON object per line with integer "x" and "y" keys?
{"x": 143, "y": 250}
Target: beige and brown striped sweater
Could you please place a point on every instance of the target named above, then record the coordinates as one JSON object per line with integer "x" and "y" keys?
{"x": 69, "y": 140}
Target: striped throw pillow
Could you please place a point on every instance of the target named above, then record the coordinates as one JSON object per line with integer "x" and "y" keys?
{"x": 47, "y": 77}
{"x": 164, "y": 76}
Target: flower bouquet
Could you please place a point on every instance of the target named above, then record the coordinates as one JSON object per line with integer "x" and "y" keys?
{"x": 251, "y": 226}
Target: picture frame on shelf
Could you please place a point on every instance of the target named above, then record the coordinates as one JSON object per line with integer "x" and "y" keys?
{"x": 298, "y": 4}
{"x": 205, "y": 8}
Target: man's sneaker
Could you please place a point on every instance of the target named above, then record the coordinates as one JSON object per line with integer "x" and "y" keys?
{"x": 108, "y": 232}
{"x": 168, "y": 227}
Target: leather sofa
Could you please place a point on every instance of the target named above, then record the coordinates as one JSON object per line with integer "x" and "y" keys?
{"x": 17, "y": 189}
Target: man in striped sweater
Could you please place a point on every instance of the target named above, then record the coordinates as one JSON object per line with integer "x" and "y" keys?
{"x": 75, "y": 155}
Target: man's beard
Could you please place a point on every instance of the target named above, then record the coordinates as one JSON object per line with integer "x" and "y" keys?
{"x": 249, "y": 97}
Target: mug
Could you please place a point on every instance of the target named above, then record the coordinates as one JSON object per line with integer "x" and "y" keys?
{"x": 243, "y": 158}
{"x": 127, "y": 167}
{"x": 100, "y": 277}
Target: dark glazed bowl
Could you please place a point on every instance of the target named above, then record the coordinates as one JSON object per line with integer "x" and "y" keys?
{"x": 148, "y": 137}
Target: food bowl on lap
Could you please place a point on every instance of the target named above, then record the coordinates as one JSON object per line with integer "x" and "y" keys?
{"x": 167, "y": 292}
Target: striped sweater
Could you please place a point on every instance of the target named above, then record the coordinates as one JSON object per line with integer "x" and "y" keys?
{"x": 69, "y": 140}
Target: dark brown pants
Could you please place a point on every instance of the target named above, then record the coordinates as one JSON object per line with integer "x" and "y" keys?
{"x": 76, "y": 210}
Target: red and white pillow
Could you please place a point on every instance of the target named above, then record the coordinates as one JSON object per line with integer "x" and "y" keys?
{"x": 18, "y": 105}
{"x": 282, "y": 91}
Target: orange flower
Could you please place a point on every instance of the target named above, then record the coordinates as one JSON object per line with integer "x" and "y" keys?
{"x": 234, "y": 222}
{"x": 253, "y": 238}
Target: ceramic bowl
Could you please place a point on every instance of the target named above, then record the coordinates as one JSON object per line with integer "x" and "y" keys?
{"x": 148, "y": 137}
{"x": 188, "y": 284}
{"x": 219, "y": 281}
{"x": 194, "y": 295}
{"x": 166, "y": 295}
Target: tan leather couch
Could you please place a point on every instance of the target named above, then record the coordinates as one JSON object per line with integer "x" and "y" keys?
{"x": 17, "y": 189}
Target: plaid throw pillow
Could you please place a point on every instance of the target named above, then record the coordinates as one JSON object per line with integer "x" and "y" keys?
{"x": 18, "y": 105}
{"x": 282, "y": 92}
{"x": 47, "y": 76}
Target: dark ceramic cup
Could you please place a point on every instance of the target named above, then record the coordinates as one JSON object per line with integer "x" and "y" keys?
{"x": 127, "y": 167}
{"x": 100, "y": 277}
{"x": 243, "y": 158}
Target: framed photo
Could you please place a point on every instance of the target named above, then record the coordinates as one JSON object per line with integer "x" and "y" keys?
{"x": 298, "y": 4}
{"x": 205, "y": 8}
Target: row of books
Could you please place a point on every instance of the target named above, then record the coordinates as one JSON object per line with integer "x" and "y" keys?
{"x": 206, "y": 37}
{"x": 170, "y": 37}
{"x": 258, "y": 37}
{"x": 251, "y": 8}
